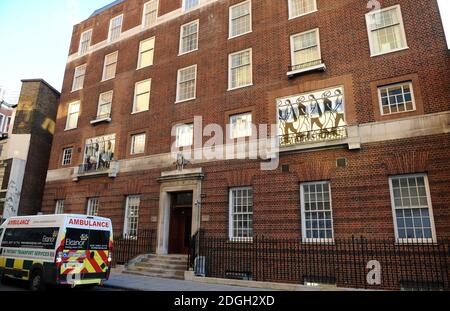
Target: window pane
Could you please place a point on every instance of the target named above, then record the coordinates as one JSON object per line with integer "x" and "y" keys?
{"x": 300, "y": 7}
{"x": 132, "y": 216}
{"x": 93, "y": 207}
{"x": 115, "y": 28}
{"x": 305, "y": 49}
{"x": 185, "y": 135}
{"x": 138, "y": 144}
{"x": 320, "y": 212}
{"x": 150, "y": 13}
{"x": 190, "y": 4}
{"x": 386, "y": 33}
{"x": 412, "y": 215}
{"x": 67, "y": 156}
{"x": 241, "y": 213}
{"x": 59, "y": 207}
{"x": 78, "y": 79}
{"x": 85, "y": 42}
{"x": 241, "y": 69}
{"x": 110, "y": 66}
{"x": 240, "y": 19}
{"x": 189, "y": 37}
{"x": 72, "y": 117}
{"x": 104, "y": 105}
{"x": 396, "y": 98}
{"x": 142, "y": 96}
{"x": 146, "y": 53}
{"x": 241, "y": 125}
{"x": 187, "y": 83}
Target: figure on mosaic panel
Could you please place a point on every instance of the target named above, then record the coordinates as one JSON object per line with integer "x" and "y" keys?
{"x": 311, "y": 117}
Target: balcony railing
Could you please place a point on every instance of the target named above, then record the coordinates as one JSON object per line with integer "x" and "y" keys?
{"x": 304, "y": 67}
{"x": 94, "y": 167}
{"x": 336, "y": 133}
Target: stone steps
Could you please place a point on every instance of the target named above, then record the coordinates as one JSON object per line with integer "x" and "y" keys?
{"x": 169, "y": 266}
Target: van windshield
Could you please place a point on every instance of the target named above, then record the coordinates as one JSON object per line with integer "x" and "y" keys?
{"x": 82, "y": 239}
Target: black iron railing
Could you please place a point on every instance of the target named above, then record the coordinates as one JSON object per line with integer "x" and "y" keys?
{"x": 349, "y": 263}
{"x": 305, "y": 65}
{"x": 330, "y": 134}
{"x": 194, "y": 250}
{"x": 94, "y": 167}
{"x": 126, "y": 248}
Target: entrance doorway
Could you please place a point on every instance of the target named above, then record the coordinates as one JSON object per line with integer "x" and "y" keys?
{"x": 180, "y": 222}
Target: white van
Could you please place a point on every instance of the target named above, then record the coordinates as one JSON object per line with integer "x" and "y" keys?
{"x": 56, "y": 249}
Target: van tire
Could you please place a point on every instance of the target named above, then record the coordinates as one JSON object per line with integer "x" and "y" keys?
{"x": 36, "y": 283}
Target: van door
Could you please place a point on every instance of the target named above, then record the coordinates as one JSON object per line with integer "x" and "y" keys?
{"x": 97, "y": 260}
{"x": 85, "y": 252}
{"x": 74, "y": 253}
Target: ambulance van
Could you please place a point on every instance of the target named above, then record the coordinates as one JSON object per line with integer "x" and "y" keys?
{"x": 56, "y": 250}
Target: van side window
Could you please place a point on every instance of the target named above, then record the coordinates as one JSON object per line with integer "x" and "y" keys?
{"x": 35, "y": 238}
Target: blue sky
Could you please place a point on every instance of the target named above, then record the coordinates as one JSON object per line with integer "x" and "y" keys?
{"x": 35, "y": 38}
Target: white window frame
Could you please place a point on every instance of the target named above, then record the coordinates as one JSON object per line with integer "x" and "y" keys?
{"x": 232, "y": 136}
{"x": 144, "y": 26}
{"x": 133, "y": 143}
{"x": 91, "y": 204}
{"x": 413, "y": 98}
{"x": 110, "y": 39}
{"x": 178, "y": 100}
{"x": 230, "y": 57}
{"x": 99, "y": 106}
{"x": 402, "y": 28}
{"x": 430, "y": 209}
{"x": 75, "y": 77}
{"x": 303, "y": 214}
{"x": 231, "y": 218}
{"x": 292, "y": 39}
{"x": 139, "y": 65}
{"x": 59, "y": 207}
{"x": 126, "y": 224}
{"x": 78, "y": 103}
{"x": 181, "y": 52}
{"x": 291, "y": 16}
{"x": 178, "y": 145}
{"x": 230, "y": 24}
{"x": 185, "y": 9}
{"x": 104, "y": 78}
{"x": 80, "y": 50}
{"x": 136, "y": 95}
{"x": 65, "y": 156}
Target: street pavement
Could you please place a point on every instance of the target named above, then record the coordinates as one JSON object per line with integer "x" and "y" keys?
{"x": 129, "y": 282}
{"x": 144, "y": 283}
{"x": 18, "y": 286}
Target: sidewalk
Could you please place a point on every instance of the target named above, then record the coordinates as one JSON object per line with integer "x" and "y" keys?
{"x": 143, "y": 283}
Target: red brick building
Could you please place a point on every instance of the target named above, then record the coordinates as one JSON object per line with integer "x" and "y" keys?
{"x": 360, "y": 97}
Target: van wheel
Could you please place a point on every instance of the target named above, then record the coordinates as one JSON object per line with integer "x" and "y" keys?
{"x": 37, "y": 281}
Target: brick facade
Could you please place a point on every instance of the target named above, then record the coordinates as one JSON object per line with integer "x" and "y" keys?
{"x": 360, "y": 191}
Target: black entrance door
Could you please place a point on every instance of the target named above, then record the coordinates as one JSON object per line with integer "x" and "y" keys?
{"x": 180, "y": 223}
